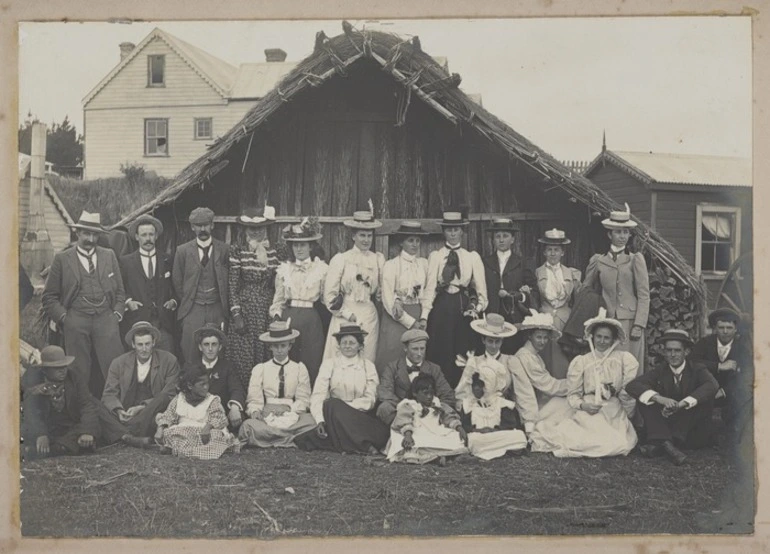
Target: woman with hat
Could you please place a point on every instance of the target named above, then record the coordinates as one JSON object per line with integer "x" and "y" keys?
{"x": 622, "y": 278}
{"x": 279, "y": 393}
{"x": 403, "y": 287}
{"x": 299, "y": 284}
{"x": 557, "y": 285}
{"x": 251, "y": 286}
{"x": 538, "y": 393}
{"x": 342, "y": 403}
{"x": 597, "y": 424}
{"x": 455, "y": 294}
{"x": 352, "y": 283}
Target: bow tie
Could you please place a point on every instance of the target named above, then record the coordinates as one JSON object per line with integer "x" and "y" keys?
{"x": 614, "y": 255}
{"x": 413, "y": 369}
{"x": 303, "y": 265}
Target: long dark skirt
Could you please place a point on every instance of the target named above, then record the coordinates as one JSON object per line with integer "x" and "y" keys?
{"x": 309, "y": 346}
{"x": 450, "y": 334}
{"x": 347, "y": 429}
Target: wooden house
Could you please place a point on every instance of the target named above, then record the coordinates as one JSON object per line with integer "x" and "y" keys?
{"x": 369, "y": 115}
{"x": 700, "y": 204}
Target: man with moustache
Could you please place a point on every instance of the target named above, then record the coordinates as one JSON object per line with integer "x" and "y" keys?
{"x": 200, "y": 281}
{"x": 84, "y": 297}
{"x": 147, "y": 279}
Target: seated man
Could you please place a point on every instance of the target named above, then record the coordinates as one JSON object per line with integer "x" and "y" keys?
{"x": 59, "y": 413}
{"x": 224, "y": 381}
{"x": 140, "y": 384}
{"x": 396, "y": 379}
{"x": 728, "y": 357}
{"x": 676, "y": 399}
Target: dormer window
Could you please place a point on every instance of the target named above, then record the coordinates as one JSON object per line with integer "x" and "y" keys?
{"x": 156, "y": 71}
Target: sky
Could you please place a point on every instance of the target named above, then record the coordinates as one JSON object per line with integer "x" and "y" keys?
{"x": 665, "y": 84}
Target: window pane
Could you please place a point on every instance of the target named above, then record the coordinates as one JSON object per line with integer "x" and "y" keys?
{"x": 707, "y": 257}
{"x": 156, "y": 136}
{"x": 722, "y": 257}
{"x": 156, "y": 70}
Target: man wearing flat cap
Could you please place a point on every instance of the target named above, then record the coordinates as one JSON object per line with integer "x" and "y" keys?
{"x": 140, "y": 384}
{"x": 147, "y": 280}
{"x": 200, "y": 281}
{"x": 676, "y": 400}
{"x": 84, "y": 297}
{"x": 396, "y": 378}
{"x": 728, "y": 357}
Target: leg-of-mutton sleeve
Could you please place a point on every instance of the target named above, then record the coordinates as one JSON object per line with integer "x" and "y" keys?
{"x": 592, "y": 275}
{"x": 215, "y": 414}
{"x": 170, "y": 416}
{"x": 279, "y": 296}
{"x": 630, "y": 370}
{"x": 302, "y": 393}
{"x": 388, "y": 288}
{"x": 575, "y": 386}
{"x": 479, "y": 282}
{"x": 333, "y": 286}
{"x": 642, "y": 289}
{"x": 234, "y": 279}
{"x": 431, "y": 283}
{"x": 321, "y": 390}
{"x": 255, "y": 398}
{"x": 367, "y": 401}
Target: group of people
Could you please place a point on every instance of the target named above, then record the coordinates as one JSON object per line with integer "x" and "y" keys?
{"x": 462, "y": 357}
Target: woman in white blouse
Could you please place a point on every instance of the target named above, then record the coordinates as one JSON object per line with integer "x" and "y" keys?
{"x": 342, "y": 402}
{"x": 299, "y": 283}
{"x": 597, "y": 423}
{"x": 353, "y": 283}
{"x": 558, "y": 285}
{"x": 403, "y": 287}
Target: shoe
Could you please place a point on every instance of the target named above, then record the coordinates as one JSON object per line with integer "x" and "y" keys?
{"x": 676, "y": 456}
{"x": 651, "y": 450}
{"x": 165, "y": 450}
{"x": 136, "y": 442}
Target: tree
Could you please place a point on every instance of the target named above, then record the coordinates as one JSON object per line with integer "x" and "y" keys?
{"x": 64, "y": 147}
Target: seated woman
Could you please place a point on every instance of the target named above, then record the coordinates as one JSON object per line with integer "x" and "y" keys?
{"x": 597, "y": 424}
{"x": 425, "y": 429}
{"x": 343, "y": 400}
{"x": 486, "y": 438}
{"x": 279, "y": 393}
{"x": 536, "y": 392}
{"x": 194, "y": 424}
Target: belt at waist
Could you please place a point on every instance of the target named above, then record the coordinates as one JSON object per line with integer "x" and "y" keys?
{"x": 409, "y": 302}
{"x": 300, "y": 303}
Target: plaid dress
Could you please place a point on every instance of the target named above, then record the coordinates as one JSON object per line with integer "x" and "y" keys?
{"x": 185, "y": 421}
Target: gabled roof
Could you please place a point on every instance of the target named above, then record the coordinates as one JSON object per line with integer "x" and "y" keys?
{"x": 216, "y": 72}
{"x": 684, "y": 169}
{"x": 409, "y": 66}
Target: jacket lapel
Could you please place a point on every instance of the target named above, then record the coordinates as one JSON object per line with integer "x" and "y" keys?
{"x": 126, "y": 376}
{"x": 513, "y": 262}
{"x": 74, "y": 262}
{"x": 154, "y": 370}
{"x": 606, "y": 259}
{"x": 101, "y": 265}
{"x": 402, "y": 375}
{"x": 686, "y": 379}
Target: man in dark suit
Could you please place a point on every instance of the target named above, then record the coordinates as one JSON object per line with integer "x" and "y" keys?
{"x": 84, "y": 295}
{"x": 676, "y": 400}
{"x": 200, "y": 280}
{"x": 511, "y": 287}
{"x": 59, "y": 413}
{"x": 729, "y": 359}
{"x": 396, "y": 378}
{"x": 147, "y": 280}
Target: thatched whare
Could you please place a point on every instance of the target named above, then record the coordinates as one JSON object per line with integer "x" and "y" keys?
{"x": 370, "y": 115}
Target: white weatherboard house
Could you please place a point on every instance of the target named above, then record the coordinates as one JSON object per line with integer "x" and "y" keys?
{"x": 166, "y": 101}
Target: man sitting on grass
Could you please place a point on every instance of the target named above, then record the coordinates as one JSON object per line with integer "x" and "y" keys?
{"x": 140, "y": 384}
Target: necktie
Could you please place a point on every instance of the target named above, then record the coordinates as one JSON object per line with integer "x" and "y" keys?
{"x": 150, "y": 268}
{"x": 205, "y": 259}
{"x": 614, "y": 255}
{"x": 90, "y": 259}
{"x": 452, "y": 267}
{"x": 678, "y": 383}
{"x": 281, "y": 379}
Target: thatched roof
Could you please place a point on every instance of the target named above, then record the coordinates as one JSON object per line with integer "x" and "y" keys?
{"x": 405, "y": 61}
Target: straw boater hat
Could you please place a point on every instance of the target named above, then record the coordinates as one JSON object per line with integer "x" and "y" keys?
{"x": 53, "y": 356}
{"x": 89, "y": 222}
{"x": 144, "y": 220}
{"x": 539, "y": 321}
{"x": 142, "y": 326}
{"x": 675, "y": 334}
{"x": 555, "y": 237}
{"x": 255, "y": 217}
{"x": 350, "y": 329}
{"x": 304, "y": 231}
{"x": 279, "y": 331}
{"x": 493, "y": 325}
{"x": 620, "y": 220}
{"x": 723, "y": 314}
{"x": 201, "y": 216}
{"x": 363, "y": 219}
{"x": 454, "y": 219}
{"x": 209, "y": 329}
{"x": 409, "y": 229}
{"x": 488, "y": 375}
{"x": 602, "y": 319}
{"x": 414, "y": 335}
{"x": 502, "y": 224}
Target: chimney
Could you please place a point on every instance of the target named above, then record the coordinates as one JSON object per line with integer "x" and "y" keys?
{"x": 275, "y": 55}
{"x": 125, "y": 49}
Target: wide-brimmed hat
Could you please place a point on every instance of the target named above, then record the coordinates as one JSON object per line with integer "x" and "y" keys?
{"x": 723, "y": 314}
{"x": 619, "y": 220}
{"x": 257, "y": 217}
{"x": 454, "y": 218}
{"x": 502, "y": 224}
{"x": 602, "y": 319}
{"x": 350, "y": 329}
{"x": 554, "y": 237}
{"x": 488, "y": 375}
{"x": 493, "y": 325}
{"x": 145, "y": 220}
{"x": 142, "y": 326}
{"x": 675, "y": 334}
{"x": 201, "y": 216}
{"x": 279, "y": 331}
{"x": 409, "y": 229}
{"x": 89, "y": 222}
{"x": 53, "y": 356}
{"x": 307, "y": 230}
{"x": 209, "y": 329}
{"x": 537, "y": 320}
{"x": 363, "y": 220}
{"x": 413, "y": 335}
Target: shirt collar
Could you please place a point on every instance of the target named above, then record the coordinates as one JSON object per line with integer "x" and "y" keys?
{"x": 149, "y": 254}
{"x": 504, "y": 253}
{"x": 204, "y": 243}
{"x": 210, "y": 365}
{"x": 553, "y": 267}
{"x": 728, "y": 345}
{"x": 617, "y": 249}
{"x": 145, "y": 364}
{"x": 488, "y": 356}
{"x": 448, "y": 247}
{"x": 279, "y": 364}
{"x": 678, "y": 370}
{"x": 84, "y": 253}
{"x": 407, "y": 256}
{"x": 409, "y": 363}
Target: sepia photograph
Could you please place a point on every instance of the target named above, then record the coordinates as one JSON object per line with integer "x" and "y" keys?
{"x": 386, "y": 278}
